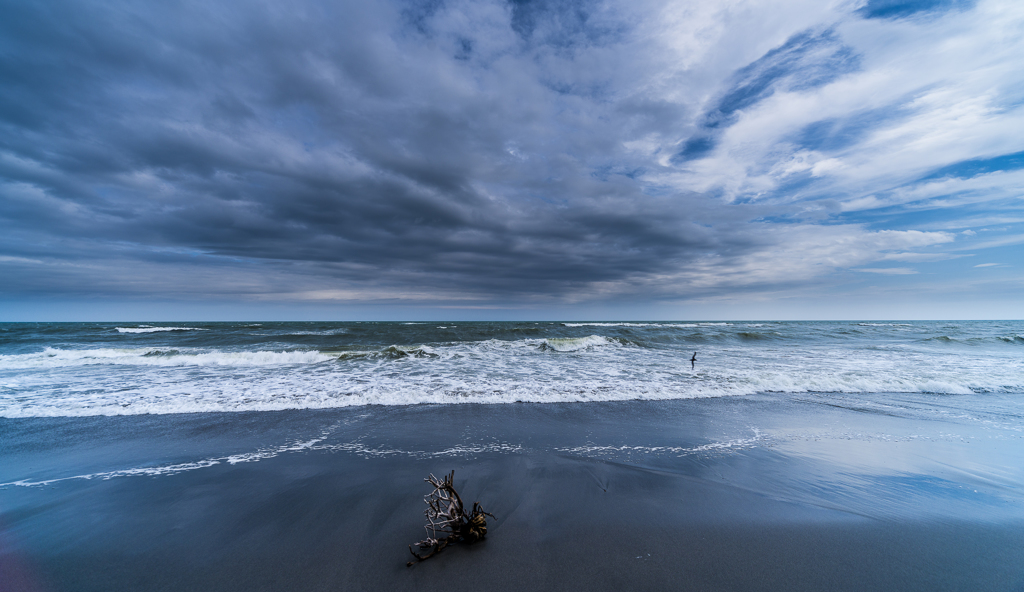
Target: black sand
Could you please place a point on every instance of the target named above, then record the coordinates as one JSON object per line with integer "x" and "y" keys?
{"x": 732, "y": 500}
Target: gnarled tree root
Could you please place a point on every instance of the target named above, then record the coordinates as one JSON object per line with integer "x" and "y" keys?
{"x": 447, "y": 519}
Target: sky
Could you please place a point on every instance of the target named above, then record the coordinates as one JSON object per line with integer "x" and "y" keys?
{"x": 525, "y": 159}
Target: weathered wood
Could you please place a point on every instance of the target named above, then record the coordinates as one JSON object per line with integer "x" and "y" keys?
{"x": 447, "y": 519}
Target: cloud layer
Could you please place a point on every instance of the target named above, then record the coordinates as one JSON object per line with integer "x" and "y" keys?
{"x": 457, "y": 152}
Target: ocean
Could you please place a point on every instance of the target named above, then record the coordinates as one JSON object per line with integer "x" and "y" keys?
{"x": 81, "y": 369}
{"x": 291, "y": 456}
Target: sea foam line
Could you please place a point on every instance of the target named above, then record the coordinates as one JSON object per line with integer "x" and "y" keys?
{"x": 178, "y": 467}
{"x": 354, "y": 447}
{"x": 357, "y": 447}
{"x": 678, "y": 450}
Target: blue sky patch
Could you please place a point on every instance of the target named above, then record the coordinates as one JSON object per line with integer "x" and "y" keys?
{"x": 967, "y": 169}
{"x": 806, "y": 60}
{"x": 835, "y": 133}
{"x": 895, "y": 9}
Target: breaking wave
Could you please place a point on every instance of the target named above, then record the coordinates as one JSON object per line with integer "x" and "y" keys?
{"x": 394, "y": 352}
{"x": 572, "y": 344}
{"x": 148, "y": 329}
{"x": 59, "y": 358}
{"x": 551, "y": 363}
{"x": 669, "y": 325}
{"x": 492, "y": 375}
{"x": 975, "y": 341}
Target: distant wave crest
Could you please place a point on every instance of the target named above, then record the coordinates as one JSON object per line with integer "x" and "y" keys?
{"x": 148, "y": 329}
{"x": 670, "y": 325}
{"x": 57, "y": 358}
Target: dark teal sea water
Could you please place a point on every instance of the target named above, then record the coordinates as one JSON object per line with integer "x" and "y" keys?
{"x": 82, "y": 369}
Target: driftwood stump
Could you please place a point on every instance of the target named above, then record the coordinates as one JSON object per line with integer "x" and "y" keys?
{"x": 447, "y": 519}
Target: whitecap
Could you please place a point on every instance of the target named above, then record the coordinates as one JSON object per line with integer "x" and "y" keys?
{"x": 57, "y": 358}
{"x": 571, "y": 344}
{"x": 148, "y": 329}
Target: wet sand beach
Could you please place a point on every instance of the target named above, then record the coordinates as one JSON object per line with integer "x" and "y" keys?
{"x": 763, "y": 493}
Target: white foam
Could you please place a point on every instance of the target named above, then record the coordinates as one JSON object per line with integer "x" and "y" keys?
{"x": 140, "y": 471}
{"x": 187, "y": 466}
{"x": 571, "y": 344}
{"x": 689, "y": 325}
{"x": 148, "y": 329}
{"x": 615, "y": 325}
{"x": 727, "y": 445}
{"x": 59, "y": 382}
{"x": 455, "y": 451}
{"x": 58, "y": 358}
{"x": 355, "y": 447}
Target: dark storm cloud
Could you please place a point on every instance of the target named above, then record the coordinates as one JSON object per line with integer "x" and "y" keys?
{"x": 560, "y": 23}
{"x": 434, "y": 149}
{"x": 311, "y": 135}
